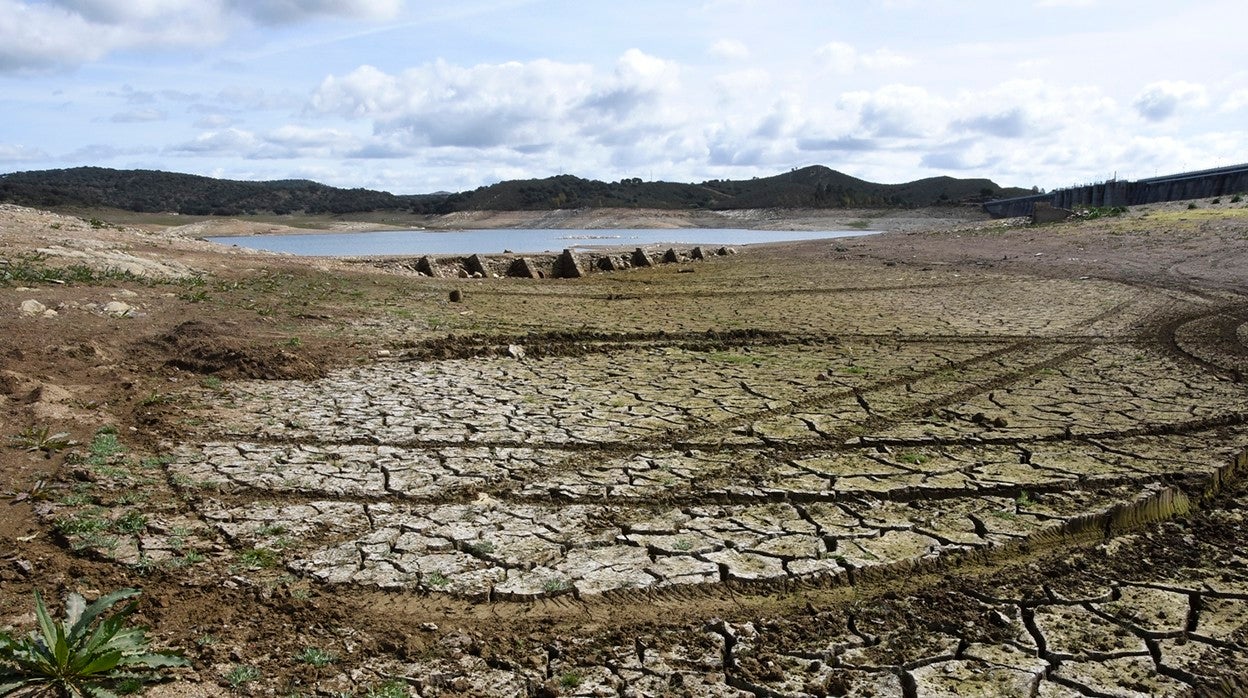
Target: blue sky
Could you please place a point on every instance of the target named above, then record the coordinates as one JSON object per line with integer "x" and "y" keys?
{"x": 413, "y": 97}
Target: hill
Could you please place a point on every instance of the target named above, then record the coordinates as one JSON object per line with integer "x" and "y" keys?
{"x": 155, "y": 191}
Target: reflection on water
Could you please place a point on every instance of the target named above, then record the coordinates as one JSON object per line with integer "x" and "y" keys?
{"x": 529, "y": 241}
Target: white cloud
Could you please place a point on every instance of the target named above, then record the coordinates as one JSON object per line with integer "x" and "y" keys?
{"x": 1235, "y": 101}
{"x": 59, "y": 34}
{"x": 730, "y": 50}
{"x": 842, "y": 58}
{"x": 441, "y": 104}
{"x": 290, "y": 11}
{"x": 138, "y": 116}
{"x": 1161, "y": 100}
{"x": 20, "y": 153}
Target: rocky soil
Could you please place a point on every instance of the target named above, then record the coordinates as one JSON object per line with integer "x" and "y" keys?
{"x": 964, "y": 457}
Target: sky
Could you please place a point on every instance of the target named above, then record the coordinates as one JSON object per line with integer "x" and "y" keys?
{"x": 418, "y": 96}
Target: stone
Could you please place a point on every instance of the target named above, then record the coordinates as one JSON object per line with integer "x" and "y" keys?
{"x": 32, "y": 307}
{"x": 641, "y": 259}
{"x": 515, "y": 351}
{"x": 475, "y": 265}
{"x": 523, "y": 268}
{"x": 671, "y": 257}
{"x": 119, "y": 309}
{"x": 425, "y": 266}
{"x": 566, "y": 266}
{"x": 608, "y": 263}
{"x": 457, "y": 296}
{"x": 697, "y": 254}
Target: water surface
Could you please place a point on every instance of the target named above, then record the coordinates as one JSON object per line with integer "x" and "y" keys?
{"x": 527, "y": 241}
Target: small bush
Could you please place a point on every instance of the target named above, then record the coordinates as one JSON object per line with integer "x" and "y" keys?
{"x": 242, "y": 675}
{"x": 41, "y": 439}
{"x": 316, "y": 657}
{"x": 1192, "y": 206}
{"x": 1236, "y": 199}
{"x": 78, "y": 656}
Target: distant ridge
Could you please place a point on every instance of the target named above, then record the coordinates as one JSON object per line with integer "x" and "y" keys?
{"x": 155, "y": 191}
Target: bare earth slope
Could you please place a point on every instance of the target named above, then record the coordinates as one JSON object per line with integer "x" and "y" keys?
{"x": 964, "y": 457}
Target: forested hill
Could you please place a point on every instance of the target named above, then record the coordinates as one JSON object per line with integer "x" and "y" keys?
{"x": 155, "y": 191}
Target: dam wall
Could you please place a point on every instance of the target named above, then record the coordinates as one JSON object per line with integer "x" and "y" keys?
{"x": 1222, "y": 181}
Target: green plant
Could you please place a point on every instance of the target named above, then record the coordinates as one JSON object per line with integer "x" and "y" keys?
{"x": 1023, "y": 499}
{"x": 393, "y": 688}
{"x": 130, "y": 522}
{"x": 570, "y": 679}
{"x": 104, "y": 446}
{"x": 554, "y": 586}
{"x": 79, "y": 656}
{"x": 41, "y": 439}
{"x": 316, "y": 657}
{"x": 1192, "y": 206}
{"x": 258, "y": 558}
{"x": 1237, "y": 198}
{"x": 212, "y": 383}
{"x": 437, "y": 580}
{"x": 241, "y": 675}
{"x": 1093, "y": 212}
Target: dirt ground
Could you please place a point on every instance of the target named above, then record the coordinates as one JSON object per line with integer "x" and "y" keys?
{"x": 962, "y": 457}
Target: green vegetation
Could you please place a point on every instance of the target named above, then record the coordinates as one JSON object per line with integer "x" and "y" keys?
{"x": 242, "y": 675}
{"x": 555, "y": 586}
{"x": 26, "y": 270}
{"x": 393, "y": 688}
{"x": 259, "y": 558}
{"x": 315, "y": 656}
{"x": 1094, "y": 212}
{"x": 79, "y": 656}
{"x": 105, "y": 447}
{"x": 192, "y": 195}
{"x": 41, "y": 439}
{"x": 570, "y": 679}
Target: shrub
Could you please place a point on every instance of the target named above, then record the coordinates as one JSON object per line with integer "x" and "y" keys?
{"x": 79, "y": 657}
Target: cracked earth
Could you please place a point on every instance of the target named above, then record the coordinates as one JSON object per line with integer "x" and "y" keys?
{"x": 864, "y": 480}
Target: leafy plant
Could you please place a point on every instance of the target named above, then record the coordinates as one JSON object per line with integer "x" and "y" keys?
{"x": 242, "y": 674}
{"x": 259, "y": 558}
{"x": 80, "y": 657}
{"x": 316, "y": 657}
{"x": 41, "y": 439}
{"x": 393, "y": 688}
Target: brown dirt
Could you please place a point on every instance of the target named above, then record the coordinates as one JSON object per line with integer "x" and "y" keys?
{"x": 257, "y": 316}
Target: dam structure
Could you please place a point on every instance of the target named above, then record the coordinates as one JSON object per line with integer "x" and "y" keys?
{"x": 1220, "y": 181}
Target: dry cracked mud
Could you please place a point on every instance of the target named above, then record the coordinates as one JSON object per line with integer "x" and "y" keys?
{"x": 789, "y": 473}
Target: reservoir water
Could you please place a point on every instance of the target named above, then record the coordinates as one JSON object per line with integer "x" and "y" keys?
{"x": 520, "y": 241}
